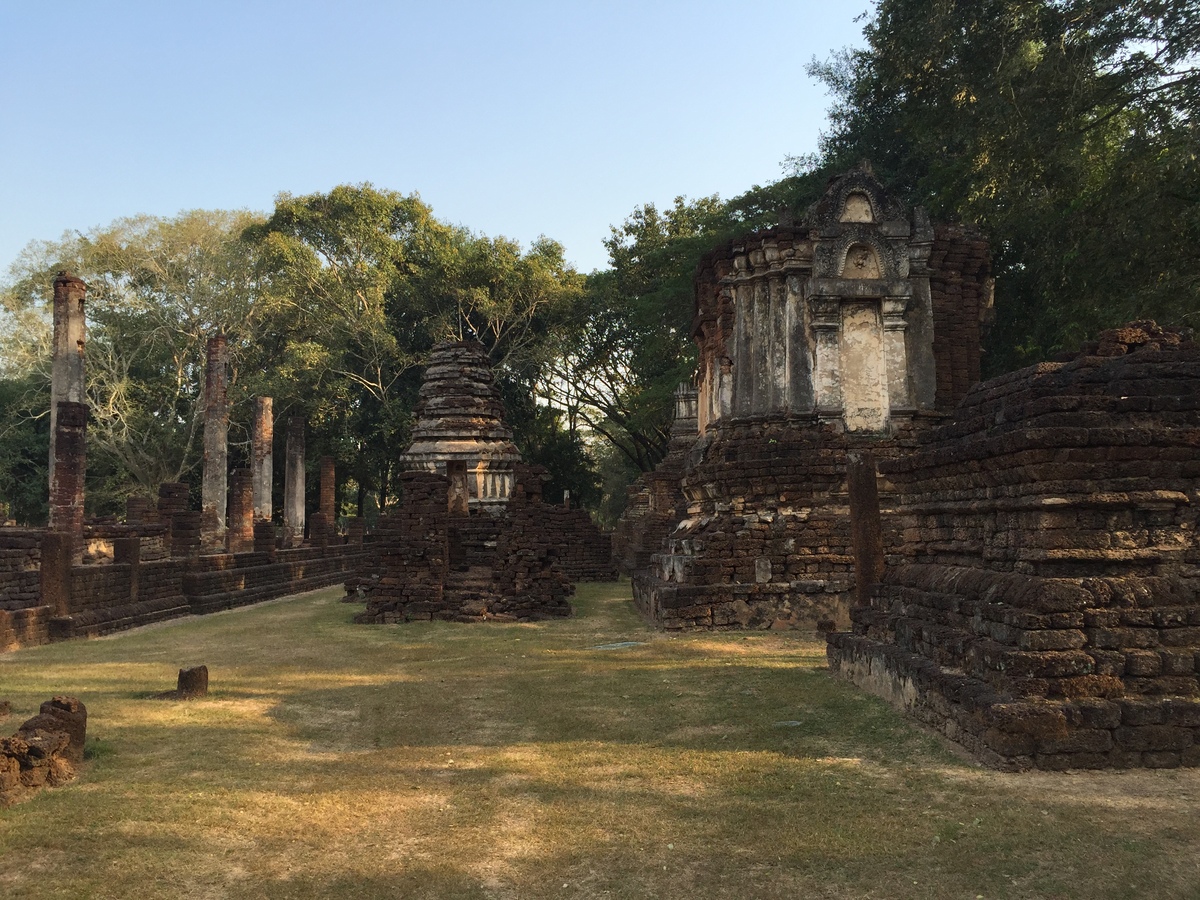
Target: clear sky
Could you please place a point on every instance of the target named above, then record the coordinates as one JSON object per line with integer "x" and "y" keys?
{"x": 513, "y": 118}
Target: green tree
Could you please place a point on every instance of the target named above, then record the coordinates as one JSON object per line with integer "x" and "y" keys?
{"x": 24, "y": 449}
{"x": 348, "y": 276}
{"x": 361, "y": 282}
{"x": 620, "y": 358}
{"x": 1066, "y": 128}
{"x": 157, "y": 289}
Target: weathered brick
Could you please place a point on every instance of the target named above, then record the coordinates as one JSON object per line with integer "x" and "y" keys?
{"x": 1146, "y": 738}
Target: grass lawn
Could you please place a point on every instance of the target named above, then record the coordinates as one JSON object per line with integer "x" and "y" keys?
{"x": 549, "y": 760}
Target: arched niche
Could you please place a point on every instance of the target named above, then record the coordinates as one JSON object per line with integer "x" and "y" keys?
{"x": 857, "y": 208}
{"x": 862, "y": 262}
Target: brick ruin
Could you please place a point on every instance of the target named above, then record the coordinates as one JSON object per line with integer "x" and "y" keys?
{"x": 154, "y": 567}
{"x": 46, "y": 751}
{"x": 856, "y": 329}
{"x": 460, "y": 430}
{"x": 78, "y": 579}
{"x": 1014, "y": 562}
{"x": 1040, "y": 604}
{"x": 506, "y": 554}
{"x": 471, "y": 539}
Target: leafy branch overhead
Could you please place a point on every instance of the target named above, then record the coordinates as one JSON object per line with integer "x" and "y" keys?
{"x": 1066, "y": 129}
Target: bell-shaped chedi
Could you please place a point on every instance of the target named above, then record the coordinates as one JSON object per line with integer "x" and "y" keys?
{"x": 460, "y": 430}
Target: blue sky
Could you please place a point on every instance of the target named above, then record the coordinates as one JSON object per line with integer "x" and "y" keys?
{"x": 519, "y": 118}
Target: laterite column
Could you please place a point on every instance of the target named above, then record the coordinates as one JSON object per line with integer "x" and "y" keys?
{"x": 70, "y": 333}
{"x": 261, "y": 465}
{"x": 293, "y": 484}
{"x": 215, "y": 485}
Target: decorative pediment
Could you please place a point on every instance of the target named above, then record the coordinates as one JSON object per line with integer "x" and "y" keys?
{"x": 859, "y": 253}
{"x": 854, "y": 198}
{"x": 859, "y": 233}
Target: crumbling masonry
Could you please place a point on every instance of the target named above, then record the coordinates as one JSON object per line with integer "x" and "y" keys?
{"x": 1018, "y": 559}
{"x": 1041, "y": 601}
{"x": 472, "y": 539}
{"x": 853, "y": 330}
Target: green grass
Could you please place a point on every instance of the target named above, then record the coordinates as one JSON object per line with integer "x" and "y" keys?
{"x": 517, "y": 761}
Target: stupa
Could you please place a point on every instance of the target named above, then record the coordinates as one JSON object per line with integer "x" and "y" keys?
{"x": 460, "y": 430}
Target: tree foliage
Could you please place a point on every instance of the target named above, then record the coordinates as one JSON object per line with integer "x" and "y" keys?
{"x": 329, "y": 306}
{"x": 361, "y": 282}
{"x": 157, "y": 289}
{"x": 1067, "y": 129}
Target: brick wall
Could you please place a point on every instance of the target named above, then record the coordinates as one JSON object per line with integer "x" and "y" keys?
{"x": 1042, "y": 601}
{"x": 483, "y": 566}
{"x": 766, "y": 540}
{"x": 20, "y": 557}
{"x": 960, "y": 289}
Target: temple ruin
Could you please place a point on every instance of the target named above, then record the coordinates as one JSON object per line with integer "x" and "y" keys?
{"x": 471, "y": 539}
{"x": 1040, "y": 604}
{"x": 1013, "y": 562}
{"x": 856, "y": 329}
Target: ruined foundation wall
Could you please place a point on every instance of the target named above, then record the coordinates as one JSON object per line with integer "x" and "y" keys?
{"x": 412, "y": 553}
{"x": 530, "y": 580}
{"x": 469, "y": 568}
{"x": 121, "y": 594}
{"x": 766, "y": 542}
{"x": 855, "y": 329}
{"x": 20, "y": 558}
{"x": 225, "y": 581}
{"x": 23, "y": 620}
{"x": 584, "y": 552}
{"x": 1042, "y": 606}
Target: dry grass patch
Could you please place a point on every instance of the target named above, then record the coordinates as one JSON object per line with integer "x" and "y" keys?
{"x": 583, "y": 758}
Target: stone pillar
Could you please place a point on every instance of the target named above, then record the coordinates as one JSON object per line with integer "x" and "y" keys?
{"x": 355, "y": 526}
{"x": 743, "y": 331}
{"x": 240, "y": 536}
{"x": 55, "y": 572}
{"x": 261, "y": 464}
{"x": 458, "y": 492}
{"x": 800, "y": 396}
{"x": 866, "y": 530}
{"x": 293, "y": 484}
{"x": 138, "y": 511}
{"x": 128, "y": 550}
{"x": 827, "y": 377}
{"x": 66, "y": 484}
{"x": 329, "y": 490}
{"x": 895, "y": 348}
{"x": 172, "y": 499}
{"x": 185, "y": 534}
{"x": 70, "y": 333}
{"x": 760, "y": 338}
{"x": 264, "y": 538}
{"x": 215, "y": 486}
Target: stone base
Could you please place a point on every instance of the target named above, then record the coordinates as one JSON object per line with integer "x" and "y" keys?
{"x": 1013, "y": 734}
{"x": 812, "y": 605}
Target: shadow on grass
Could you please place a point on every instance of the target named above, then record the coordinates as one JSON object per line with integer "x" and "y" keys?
{"x": 440, "y": 760}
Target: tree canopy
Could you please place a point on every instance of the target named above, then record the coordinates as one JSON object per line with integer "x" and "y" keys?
{"x": 1066, "y": 129}
{"x": 329, "y": 305}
